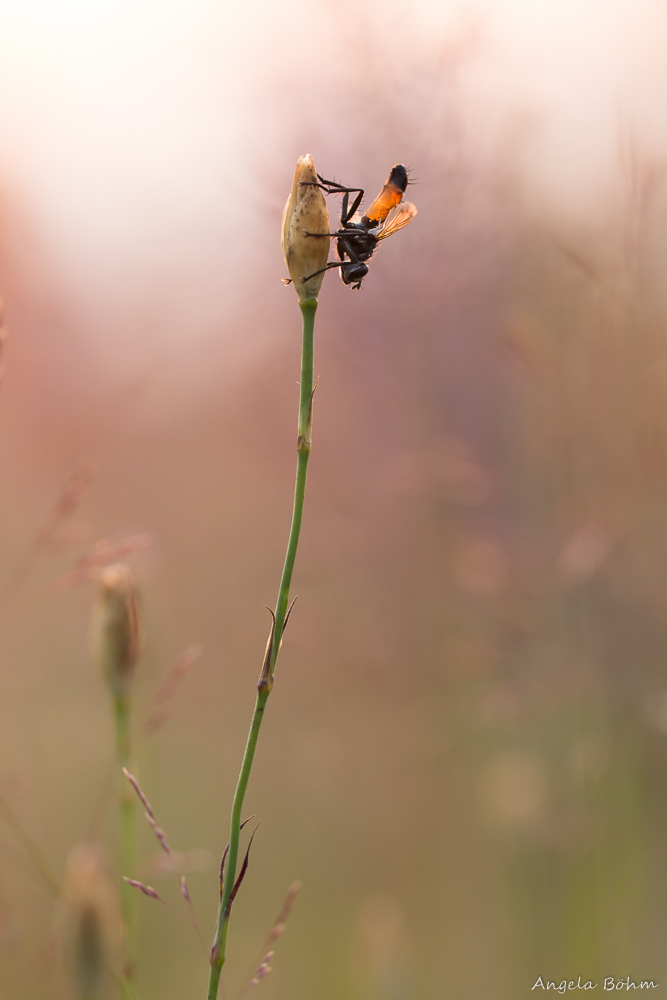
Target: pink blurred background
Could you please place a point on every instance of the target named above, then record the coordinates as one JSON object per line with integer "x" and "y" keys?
{"x": 464, "y": 755}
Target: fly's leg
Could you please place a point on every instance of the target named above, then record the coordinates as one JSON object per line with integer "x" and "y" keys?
{"x": 341, "y": 232}
{"x": 332, "y": 187}
{"x": 327, "y": 268}
{"x": 346, "y": 214}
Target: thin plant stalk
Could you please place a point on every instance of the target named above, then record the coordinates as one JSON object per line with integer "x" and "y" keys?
{"x": 127, "y": 989}
{"x": 127, "y": 827}
{"x": 31, "y": 848}
{"x": 218, "y": 950}
{"x": 116, "y": 642}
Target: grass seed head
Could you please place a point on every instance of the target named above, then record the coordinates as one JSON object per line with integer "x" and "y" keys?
{"x": 117, "y": 627}
{"x": 147, "y": 890}
{"x": 305, "y": 212}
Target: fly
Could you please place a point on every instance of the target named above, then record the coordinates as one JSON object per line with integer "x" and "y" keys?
{"x": 359, "y": 236}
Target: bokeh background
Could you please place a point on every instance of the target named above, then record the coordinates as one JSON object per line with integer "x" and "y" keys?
{"x": 464, "y": 758}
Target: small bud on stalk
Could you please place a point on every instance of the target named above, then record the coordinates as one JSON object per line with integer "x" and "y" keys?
{"x": 90, "y": 925}
{"x": 117, "y": 628}
{"x": 304, "y": 217}
{"x": 116, "y": 640}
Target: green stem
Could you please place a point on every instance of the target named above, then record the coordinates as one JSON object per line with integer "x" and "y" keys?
{"x": 127, "y": 990}
{"x": 127, "y": 827}
{"x": 218, "y": 950}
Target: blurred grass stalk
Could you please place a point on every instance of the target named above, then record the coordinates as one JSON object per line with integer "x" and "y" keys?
{"x": 117, "y": 644}
{"x": 304, "y": 220}
{"x": 127, "y": 829}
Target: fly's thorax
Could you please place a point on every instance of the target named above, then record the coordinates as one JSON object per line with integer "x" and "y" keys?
{"x": 361, "y": 243}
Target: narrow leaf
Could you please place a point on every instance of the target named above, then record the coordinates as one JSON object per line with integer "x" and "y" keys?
{"x": 244, "y": 868}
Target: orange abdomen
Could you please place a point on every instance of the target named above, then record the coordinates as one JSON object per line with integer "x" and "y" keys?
{"x": 390, "y": 196}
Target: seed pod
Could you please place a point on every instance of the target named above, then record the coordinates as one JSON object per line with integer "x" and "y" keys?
{"x": 90, "y": 923}
{"x": 306, "y": 212}
{"x": 116, "y": 628}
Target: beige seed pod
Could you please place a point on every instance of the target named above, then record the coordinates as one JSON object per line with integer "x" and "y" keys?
{"x": 116, "y": 627}
{"x": 305, "y": 212}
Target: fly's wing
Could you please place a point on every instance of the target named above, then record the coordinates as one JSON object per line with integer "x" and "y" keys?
{"x": 397, "y": 218}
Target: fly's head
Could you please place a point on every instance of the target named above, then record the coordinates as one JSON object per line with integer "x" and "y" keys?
{"x": 353, "y": 274}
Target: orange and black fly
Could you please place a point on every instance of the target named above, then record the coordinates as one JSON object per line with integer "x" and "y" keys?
{"x": 359, "y": 235}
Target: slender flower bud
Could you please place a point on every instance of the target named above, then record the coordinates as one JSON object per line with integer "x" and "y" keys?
{"x": 90, "y": 922}
{"x": 306, "y": 213}
{"x": 116, "y": 627}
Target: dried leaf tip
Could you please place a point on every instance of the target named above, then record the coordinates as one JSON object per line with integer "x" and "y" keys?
{"x": 305, "y": 217}
{"x": 117, "y": 627}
